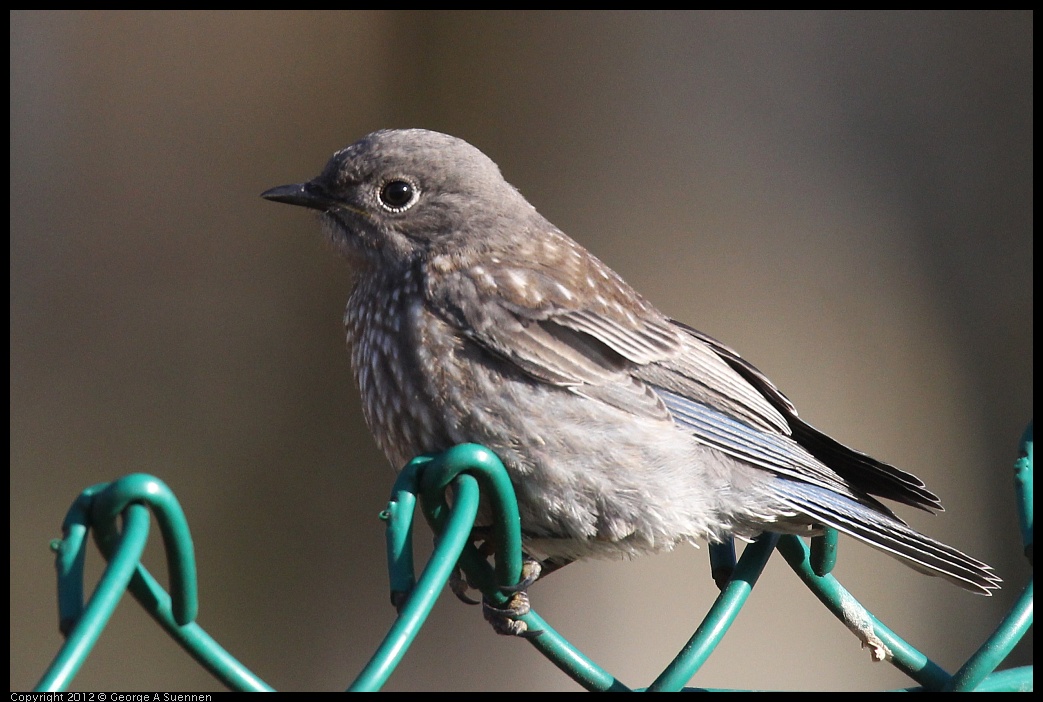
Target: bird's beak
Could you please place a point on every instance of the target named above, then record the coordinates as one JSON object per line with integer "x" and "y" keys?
{"x": 302, "y": 194}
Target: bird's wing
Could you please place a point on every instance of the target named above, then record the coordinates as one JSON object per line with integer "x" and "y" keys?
{"x": 609, "y": 344}
{"x": 871, "y": 475}
{"x": 518, "y": 314}
{"x": 578, "y": 325}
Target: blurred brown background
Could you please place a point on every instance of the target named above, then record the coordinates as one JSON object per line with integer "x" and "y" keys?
{"x": 844, "y": 198}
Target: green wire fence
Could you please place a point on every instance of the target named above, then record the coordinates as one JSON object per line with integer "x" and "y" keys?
{"x": 471, "y": 471}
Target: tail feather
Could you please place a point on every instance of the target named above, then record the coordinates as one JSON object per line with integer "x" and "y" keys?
{"x": 886, "y": 534}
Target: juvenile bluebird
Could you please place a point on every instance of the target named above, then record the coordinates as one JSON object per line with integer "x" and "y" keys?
{"x": 474, "y": 319}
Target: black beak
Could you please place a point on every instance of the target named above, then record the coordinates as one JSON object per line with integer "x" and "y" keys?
{"x": 302, "y": 194}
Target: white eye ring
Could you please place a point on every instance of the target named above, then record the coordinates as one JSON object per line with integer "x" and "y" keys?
{"x": 398, "y": 194}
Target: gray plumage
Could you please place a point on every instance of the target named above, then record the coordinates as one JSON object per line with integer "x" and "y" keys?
{"x": 474, "y": 319}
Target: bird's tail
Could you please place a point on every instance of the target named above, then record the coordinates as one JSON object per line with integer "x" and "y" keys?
{"x": 889, "y": 535}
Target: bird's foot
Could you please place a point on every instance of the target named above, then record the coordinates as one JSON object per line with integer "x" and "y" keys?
{"x": 505, "y": 618}
{"x": 531, "y": 571}
{"x": 459, "y": 586}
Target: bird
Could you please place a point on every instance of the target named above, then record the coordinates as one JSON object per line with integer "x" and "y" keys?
{"x": 473, "y": 319}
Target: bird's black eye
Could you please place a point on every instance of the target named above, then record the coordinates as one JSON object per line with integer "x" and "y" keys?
{"x": 398, "y": 195}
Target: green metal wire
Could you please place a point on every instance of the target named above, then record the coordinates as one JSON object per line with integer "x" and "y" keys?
{"x": 884, "y": 643}
{"x": 98, "y": 508}
{"x": 824, "y": 552}
{"x": 177, "y": 539}
{"x": 973, "y": 674}
{"x": 430, "y": 476}
{"x": 722, "y": 562}
{"x": 419, "y": 602}
{"x": 84, "y": 628}
{"x": 720, "y": 617}
{"x": 1023, "y": 490}
{"x": 479, "y": 485}
{"x": 495, "y": 485}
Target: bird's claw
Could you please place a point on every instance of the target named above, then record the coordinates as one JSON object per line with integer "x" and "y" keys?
{"x": 504, "y": 619}
{"x": 530, "y": 572}
{"x": 459, "y": 586}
